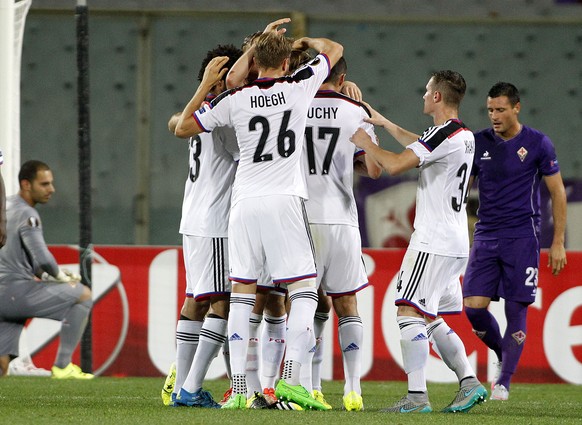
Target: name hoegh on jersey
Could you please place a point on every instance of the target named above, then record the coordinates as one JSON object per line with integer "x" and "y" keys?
{"x": 264, "y": 101}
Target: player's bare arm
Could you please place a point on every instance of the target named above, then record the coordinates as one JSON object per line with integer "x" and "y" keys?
{"x": 393, "y": 163}
{"x": 237, "y": 75}
{"x": 330, "y": 48}
{"x": 557, "y": 254}
{"x": 402, "y": 136}
{"x": 187, "y": 125}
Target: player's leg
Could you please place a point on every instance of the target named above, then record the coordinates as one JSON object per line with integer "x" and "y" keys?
{"x": 273, "y": 341}
{"x": 518, "y": 288}
{"x": 345, "y": 276}
{"x": 413, "y": 298}
{"x": 446, "y": 274}
{"x": 187, "y": 337}
{"x": 216, "y": 286}
{"x": 9, "y": 337}
{"x": 351, "y": 335}
{"x": 480, "y": 283}
{"x": 74, "y": 323}
{"x": 252, "y": 371}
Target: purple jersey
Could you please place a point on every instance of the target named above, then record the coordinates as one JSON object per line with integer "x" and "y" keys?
{"x": 509, "y": 174}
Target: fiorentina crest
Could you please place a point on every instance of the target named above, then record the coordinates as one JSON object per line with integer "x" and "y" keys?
{"x": 522, "y": 153}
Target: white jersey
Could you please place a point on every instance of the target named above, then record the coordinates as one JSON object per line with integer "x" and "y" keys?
{"x": 207, "y": 192}
{"x": 269, "y": 118}
{"x": 329, "y": 157}
{"x": 446, "y": 156}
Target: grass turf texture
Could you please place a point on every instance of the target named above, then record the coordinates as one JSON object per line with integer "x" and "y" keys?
{"x": 107, "y": 400}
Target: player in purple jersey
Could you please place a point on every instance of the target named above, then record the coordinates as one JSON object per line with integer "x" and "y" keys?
{"x": 428, "y": 286}
{"x": 510, "y": 161}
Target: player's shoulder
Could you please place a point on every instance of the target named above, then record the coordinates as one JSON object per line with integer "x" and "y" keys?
{"x": 216, "y": 100}
{"x": 341, "y": 99}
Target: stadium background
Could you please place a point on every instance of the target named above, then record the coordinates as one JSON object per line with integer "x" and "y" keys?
{"x": 144, "y": 59}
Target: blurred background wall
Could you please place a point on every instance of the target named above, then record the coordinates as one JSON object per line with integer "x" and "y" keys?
{"x": 144, "y": 62}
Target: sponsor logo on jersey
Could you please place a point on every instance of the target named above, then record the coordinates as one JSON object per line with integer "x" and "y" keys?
{"x": 33, "y": 222}
{"x": 485, "y": 156}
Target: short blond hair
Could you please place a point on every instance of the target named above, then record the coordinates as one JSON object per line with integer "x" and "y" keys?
{"x": 271, "y": 50}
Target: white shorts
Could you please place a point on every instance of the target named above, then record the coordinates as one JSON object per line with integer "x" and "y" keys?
{"x": 271, "y": 231}
{"x": 206, "y": 262}
{"x": 430, "y": 283}
{"x": 338, "y": 257}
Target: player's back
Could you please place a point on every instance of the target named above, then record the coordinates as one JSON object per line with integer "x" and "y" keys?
{"x": 329, "y": 156}
{"x": 268, "y": 116}
{"x": 208, "y": 188}
{"x": 441, "y": 219}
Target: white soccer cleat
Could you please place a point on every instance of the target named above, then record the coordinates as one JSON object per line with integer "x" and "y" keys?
{"x": 499, "y": 393}
{"x": 22, "y": 366}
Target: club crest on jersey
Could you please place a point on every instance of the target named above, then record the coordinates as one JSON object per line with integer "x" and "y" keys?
{"x": 519, "y": 337}
{"x": 522, "y": 153}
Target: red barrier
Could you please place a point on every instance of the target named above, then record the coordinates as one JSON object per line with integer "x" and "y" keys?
{"x": 139, "y": 291}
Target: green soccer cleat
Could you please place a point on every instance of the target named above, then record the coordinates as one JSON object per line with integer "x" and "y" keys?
{"x": 71, "y": 371}
{"x": 299, "y": 395}
{"x": 168, "y": 387}
{"x": 353, "y": 402}
{"x": 236, "y": 401}
{"x": 466, "y": 398}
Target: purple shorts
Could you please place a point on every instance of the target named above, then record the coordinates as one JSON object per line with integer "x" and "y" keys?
{"x": 503, "y": 268}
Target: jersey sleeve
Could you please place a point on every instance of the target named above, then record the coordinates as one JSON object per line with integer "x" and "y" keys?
{"x": 213, "y": 115}
{"x": 314, "y": 73}
{"x": 548, "y": 160}
{"x": 36, "y": 248}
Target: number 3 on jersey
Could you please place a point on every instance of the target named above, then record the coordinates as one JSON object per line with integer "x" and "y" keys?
{"x": 195, "y": 149}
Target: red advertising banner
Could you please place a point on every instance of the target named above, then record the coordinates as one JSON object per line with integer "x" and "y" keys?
{"x": 138, "y": 293}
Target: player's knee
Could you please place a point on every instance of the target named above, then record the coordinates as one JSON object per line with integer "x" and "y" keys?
{"x": 86, "y": 295}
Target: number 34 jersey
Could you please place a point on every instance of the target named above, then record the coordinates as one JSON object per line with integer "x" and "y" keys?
{"x": 446, "y": 156}
{"x": 329, "y": 157}
{"x": 269, "y": 117}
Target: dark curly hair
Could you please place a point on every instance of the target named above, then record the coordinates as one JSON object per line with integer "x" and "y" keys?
{"x": 229, "y": 50}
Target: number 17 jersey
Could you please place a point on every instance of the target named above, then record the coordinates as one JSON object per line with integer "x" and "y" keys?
{"x": 446, "y": 156}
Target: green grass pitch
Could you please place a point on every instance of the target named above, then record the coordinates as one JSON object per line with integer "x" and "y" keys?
{"x": 105, "y": 400}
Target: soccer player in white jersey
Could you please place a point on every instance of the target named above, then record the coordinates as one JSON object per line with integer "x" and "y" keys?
{"x": 329, "y": 162}
{"x": 267, "y": 222}
{"x": 204, "y": 226}
{"x": 428, "y": 281}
